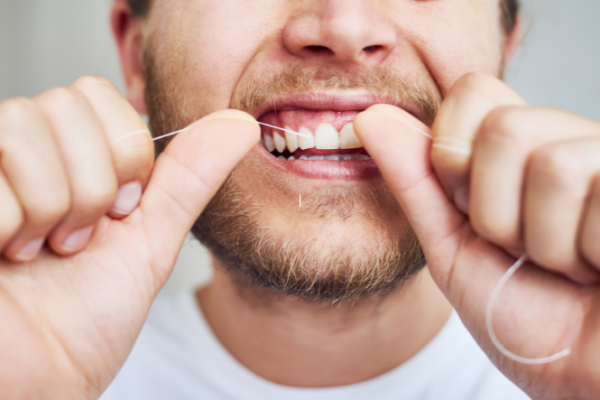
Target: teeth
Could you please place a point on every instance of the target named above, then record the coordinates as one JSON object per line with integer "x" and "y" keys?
{"x": 279, "y": 142}
{"x": 291, "y": 140}
{"x": 348, "y": 139}
{"x": 329, "y": 157}
{"x": 327, "y": 137}
{"x": 306, "y": 142}
{"x": 269, "y": 145}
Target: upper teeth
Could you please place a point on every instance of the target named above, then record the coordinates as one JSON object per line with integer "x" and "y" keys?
{"x": 326, "y": 137}
{"x": 279, "y": 142}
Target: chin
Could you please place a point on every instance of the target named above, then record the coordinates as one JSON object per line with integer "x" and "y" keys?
{"x": 349, "y": 239}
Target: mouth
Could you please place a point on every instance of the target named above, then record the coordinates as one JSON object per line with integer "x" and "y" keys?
{"x": 330, "y": 149}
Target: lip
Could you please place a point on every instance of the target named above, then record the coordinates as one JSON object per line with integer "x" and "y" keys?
{"x": 356, "y": 170}
{"x": 327, "y": 101}
{"x": 325, "y": 170}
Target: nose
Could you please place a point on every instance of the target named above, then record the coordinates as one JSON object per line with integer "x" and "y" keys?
{"x": 342, "y": 31}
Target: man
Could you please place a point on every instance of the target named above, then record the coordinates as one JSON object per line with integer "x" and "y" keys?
{"x": 319, "y": 244}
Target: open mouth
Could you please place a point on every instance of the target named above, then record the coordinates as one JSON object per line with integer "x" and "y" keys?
{"x": 329, "y": 147}
{"x": 328, "y": 136}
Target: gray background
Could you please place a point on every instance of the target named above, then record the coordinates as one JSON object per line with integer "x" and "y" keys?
{"x": 48, "y": 43}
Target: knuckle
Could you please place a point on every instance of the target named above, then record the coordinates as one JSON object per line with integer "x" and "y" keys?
{"x": 48, "y": 210}
{"x": 15, "y": 113}
{"x": 60, "y": 100}
{"x": 94, "y": 199}
{"x": 556, "y": 165}
{"x": 507, "y": 124}
{"x": 91, "y": 83}
{"x": 134, "y": 156}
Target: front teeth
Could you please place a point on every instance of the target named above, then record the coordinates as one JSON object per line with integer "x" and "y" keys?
{"x": 306, "y": 142}
{"x": 327, "y": 137}
{"x": 348, "y": 139}
{"x": 279, "y": 142}
{"x": 291, "y": 140}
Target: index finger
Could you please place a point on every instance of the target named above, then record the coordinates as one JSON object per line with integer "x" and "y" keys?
{"x": 132, "y": 157}
{"x": 469, "y": 102}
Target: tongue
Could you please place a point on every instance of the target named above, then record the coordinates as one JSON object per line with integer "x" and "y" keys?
{"x": 309, "y": 119}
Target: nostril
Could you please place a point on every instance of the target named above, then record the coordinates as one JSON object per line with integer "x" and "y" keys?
{"x": 371, "y": 49}
{"x": 318, "y": 49}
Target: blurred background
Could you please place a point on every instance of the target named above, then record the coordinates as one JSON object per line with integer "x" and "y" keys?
{"x": 48, "y": 43}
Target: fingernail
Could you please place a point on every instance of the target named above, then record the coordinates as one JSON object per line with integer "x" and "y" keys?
{"x": 128, "y": 198}
{"x": 30, "y": 250}
{"x": 78, "y": 239}
{"x": 461, "y": 200}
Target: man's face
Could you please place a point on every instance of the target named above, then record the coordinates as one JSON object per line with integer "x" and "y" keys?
{"x": 312, "y": 66}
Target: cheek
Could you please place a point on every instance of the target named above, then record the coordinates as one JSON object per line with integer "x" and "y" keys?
{"x": 208, "y": 44}
{"x": 454, "y": 38}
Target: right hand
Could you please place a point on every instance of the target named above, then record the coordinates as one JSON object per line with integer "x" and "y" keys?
{"x": 71, "y": 311}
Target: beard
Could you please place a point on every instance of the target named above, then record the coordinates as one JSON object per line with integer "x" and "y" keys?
{"x": 343, "y": 243}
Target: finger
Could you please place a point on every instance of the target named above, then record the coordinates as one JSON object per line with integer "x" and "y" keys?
{"x": 459, "y": 118}
{"x": 32, "y": 165}
{"x": 87, "y": 159}
{"x": 133, "y": 155}
{"x": 190, "y": 171}
{"x": 557, "y": 184}
{"x": 590, "y": 232}
{"x": 11, "y": 215}
{"x": 504, "y": 144}
{"x": 402, "y": 156}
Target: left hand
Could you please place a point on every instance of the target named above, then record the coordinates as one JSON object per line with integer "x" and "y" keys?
{"x": 530, "y": 183}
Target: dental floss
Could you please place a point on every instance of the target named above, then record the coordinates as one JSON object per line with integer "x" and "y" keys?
{"x": 304, "y": 135}
{"x": 499, "y": 286}
{"x": 188, "y": 128}
{"x": 490, "y": 327}
{"x": 453, "y": 144}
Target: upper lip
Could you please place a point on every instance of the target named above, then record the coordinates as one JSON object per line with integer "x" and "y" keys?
{"x": 335, "y": 102}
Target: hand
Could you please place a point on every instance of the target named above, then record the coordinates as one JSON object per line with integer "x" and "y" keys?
{"x": 71, "y": 314}
{"x": 523, "y": 179}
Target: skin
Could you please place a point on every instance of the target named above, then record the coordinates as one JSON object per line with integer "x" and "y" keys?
{"x": 72, "y": 313}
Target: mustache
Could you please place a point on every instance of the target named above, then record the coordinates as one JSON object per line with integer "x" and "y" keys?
{"x": 381, "y": 82}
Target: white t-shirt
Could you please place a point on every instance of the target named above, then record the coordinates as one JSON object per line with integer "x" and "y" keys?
{"x": 177, "y": 357}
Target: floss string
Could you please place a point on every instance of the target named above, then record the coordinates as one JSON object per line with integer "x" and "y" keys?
{"x": 499, "y": 286}
{"x": 141, "y": 132}
{"x": 490, "y": 327}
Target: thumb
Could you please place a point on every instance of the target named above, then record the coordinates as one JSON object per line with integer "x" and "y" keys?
{"x": 188, "y": 174}
{"x": 403, "y": 157}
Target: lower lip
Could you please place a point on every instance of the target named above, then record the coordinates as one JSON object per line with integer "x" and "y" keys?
{"x": 354, "y": 170}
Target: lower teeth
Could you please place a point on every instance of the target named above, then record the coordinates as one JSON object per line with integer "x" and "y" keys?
{"x": 331, "y": 157}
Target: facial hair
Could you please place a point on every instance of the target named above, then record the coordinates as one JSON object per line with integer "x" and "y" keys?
{"x": 235, "y": 228}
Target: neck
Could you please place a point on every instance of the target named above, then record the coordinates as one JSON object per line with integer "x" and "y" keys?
{"x": 296, "y": 343}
